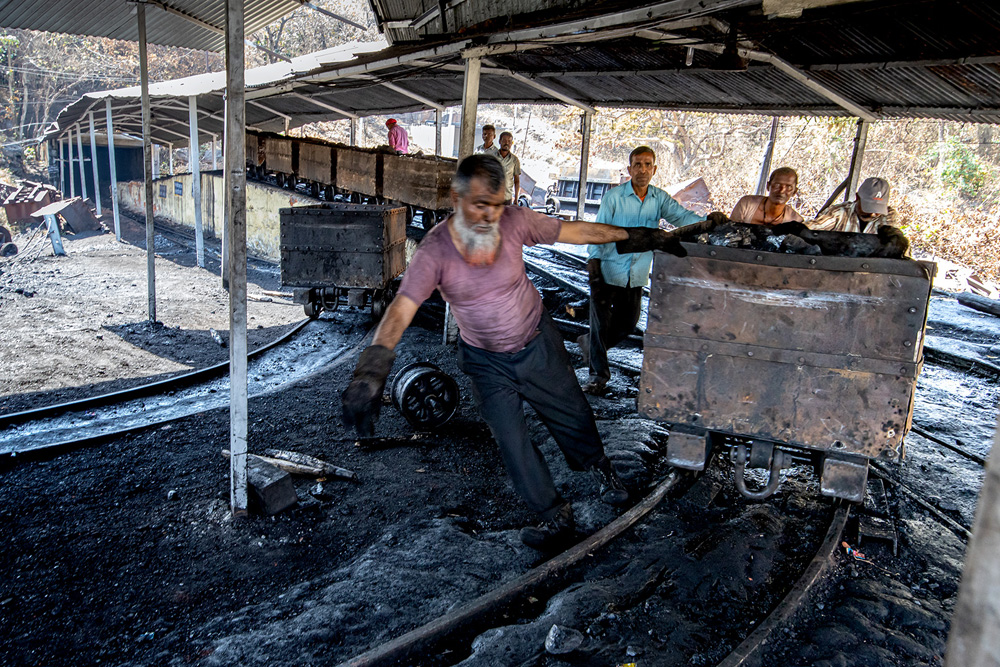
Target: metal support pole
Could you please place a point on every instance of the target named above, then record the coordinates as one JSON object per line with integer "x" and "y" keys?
{"x": 437, "y": 131}
{"x": 112, "y": 163}
{"x": 224, "y": 259}
{"x": 83, "y": 167}
{"x": 170, "y": 159}
{"x": 585, "y": 125}
{"x": 147, "y": 154}
{"x": 62, "y": 165}
{"x": 857, "y": 157}
{"x": 156, "y": 161}
{"x": 470, "y": 104}
{"x": 194, "y": 157}
{"x": 236, "y": 175}
{"x": 765, "y": 164}
{"x": 69, "y": 164}
{"x": 215, "y": 150}
{"x": 93, "y": 164}
{"x": 53, "y": 228}
{"x": 354, "y": 131}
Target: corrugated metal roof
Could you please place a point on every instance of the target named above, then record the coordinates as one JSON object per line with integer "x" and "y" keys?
{"x": 117, "y": 19}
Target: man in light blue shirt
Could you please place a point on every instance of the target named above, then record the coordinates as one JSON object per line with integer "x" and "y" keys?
{"x": 616, "y": 280}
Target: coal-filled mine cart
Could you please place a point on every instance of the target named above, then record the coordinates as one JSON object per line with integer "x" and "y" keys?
{"x": 342, "y": 254}
{"x": 771, "y": 358}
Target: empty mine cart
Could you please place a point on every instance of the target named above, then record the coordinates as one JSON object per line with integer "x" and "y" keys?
{"x": 342, "y": 254}
{"x": 771, "y": 358}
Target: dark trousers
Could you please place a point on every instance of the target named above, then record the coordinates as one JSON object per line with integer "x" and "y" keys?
{"x": 614, "y": 312}
{"x": 541, "y": 375}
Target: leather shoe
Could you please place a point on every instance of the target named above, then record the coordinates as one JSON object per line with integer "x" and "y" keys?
{"x": 557, "y": 530}
{"x": 612, "y": 489}
{"x": 596, "y": 386}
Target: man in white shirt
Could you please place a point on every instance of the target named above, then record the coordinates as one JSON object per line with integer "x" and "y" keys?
{"x": 488, "y": 147}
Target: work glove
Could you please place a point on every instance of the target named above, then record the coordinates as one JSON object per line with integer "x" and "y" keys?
{"x": 594, "y": 276}
{"x": 645, "y": 239}
{"x": 362, "y": 400}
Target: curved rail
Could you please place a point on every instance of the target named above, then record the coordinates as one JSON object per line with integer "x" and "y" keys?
{"x": 791, "y": 602}
{"x": 401, "y": 647}
{"x": 48, "y": 449}
{"x": 960, "y": 530}
{"x": 142, "y": 390}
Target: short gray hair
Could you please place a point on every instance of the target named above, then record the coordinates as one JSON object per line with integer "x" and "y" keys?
{"x": 481, "y": 166}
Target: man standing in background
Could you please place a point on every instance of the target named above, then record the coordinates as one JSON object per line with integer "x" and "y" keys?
{"x": 398, "y": 139}
{"x": 488, "y": 147}
{"x": 865, "y": 214}
{"x": 616, "y": 280}
{"x": 511, "y": 167}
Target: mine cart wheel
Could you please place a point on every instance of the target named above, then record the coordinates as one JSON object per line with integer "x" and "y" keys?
{"x": 8, "y": 250}
{"x": 5, "y": 236}
{"x": 279, "y": 180}
{"x": 312, "y": 309}
{"x": 314, "y": 189}
{"x": 426, "y": 396}
{"x": 380, "y": 301}
{"x": 328, "y": 193}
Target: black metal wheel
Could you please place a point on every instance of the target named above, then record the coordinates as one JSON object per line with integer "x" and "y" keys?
{"x": 312, "y": 309}
{"x": 314, "y": 189}
{"x": 8, "y": 250}
{"x": 426, "y": 396}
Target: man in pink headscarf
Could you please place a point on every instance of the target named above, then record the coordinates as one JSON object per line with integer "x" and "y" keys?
{"x": 398, "y": 140}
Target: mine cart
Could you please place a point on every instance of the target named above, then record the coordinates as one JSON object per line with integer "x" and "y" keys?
{"x": 771, "y": 357}
{"x": 342, "y": 254}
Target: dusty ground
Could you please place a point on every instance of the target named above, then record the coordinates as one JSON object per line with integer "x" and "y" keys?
{"x": 125, "y": 554}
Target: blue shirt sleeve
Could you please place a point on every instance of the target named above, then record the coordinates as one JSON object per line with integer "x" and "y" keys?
{"x": 677, "y": 215}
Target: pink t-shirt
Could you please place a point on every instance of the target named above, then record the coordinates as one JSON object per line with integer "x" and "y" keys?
{"x": 497, "y": 307}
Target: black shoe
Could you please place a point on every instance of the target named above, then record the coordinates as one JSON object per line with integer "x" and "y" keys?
{"x": 596, "y": 386}
{"x": 611, "y": 488}
{"x": 555, "y": 531}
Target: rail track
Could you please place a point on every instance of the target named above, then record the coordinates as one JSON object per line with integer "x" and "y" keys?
{"x": 413, "y": 647}
{"x": 51, "y": 430}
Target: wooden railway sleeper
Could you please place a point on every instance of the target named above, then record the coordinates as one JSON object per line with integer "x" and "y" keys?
{"x": 762, "y": 454}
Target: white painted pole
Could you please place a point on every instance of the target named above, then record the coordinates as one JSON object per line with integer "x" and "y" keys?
{"x": 113, "y": 163}
{"x": 93, "y": 164}
{"x": 215, "y": 150}
{"x": 147, "y": 153}
{"x": 470, "y": 104}
{"x": 83, "y": 167}
{"x": 224, "y": 260}
{"x": 437, "y": 131}
{"x": 585, "y": 125}
{"x": 62, "y": 163}
{"x": 69, "y": 164}
{"x": 236, "y": 175}
{"x": 156, "y": 159}
{"x": 170, "y": 159}
{"x": 194, "y": 157}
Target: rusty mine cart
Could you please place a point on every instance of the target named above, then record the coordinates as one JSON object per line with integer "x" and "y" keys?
{"x": 342, "y": 254}
{"x": 774, "y": 357}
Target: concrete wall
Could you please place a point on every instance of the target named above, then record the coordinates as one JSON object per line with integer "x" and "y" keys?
{"x": 172, "y": 201}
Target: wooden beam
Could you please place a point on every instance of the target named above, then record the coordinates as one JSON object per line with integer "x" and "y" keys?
{"x": 549, "y": 90}
{"x": 194, "y": 159}
{"x": 323, "y": 105}
{"x": 93, "y": 164}
{"x": 113, "y": 163}
{"x": 420, "y": 98}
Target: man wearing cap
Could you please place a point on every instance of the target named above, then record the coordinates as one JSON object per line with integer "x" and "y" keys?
{"x": 865, "y": 214}
{"x": 398, "y": 140}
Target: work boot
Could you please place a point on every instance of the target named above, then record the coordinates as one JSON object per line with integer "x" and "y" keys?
{"x": 595, "y": 386}
{"x": 611, "y": 488}
{"x": 583, "y": 340}
{"x": 557, "y": 530}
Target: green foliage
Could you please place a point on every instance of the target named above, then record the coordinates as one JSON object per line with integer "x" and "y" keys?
{"x": 962, "y": 170}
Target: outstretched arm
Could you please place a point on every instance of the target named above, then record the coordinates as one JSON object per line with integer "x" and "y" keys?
{"x": 397, "y": 318}
{"x": 578, "y": 232}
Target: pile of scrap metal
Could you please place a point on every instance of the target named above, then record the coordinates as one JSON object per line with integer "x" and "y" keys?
{"x": 19, "y": 202}
{"x": 796, "y": 238}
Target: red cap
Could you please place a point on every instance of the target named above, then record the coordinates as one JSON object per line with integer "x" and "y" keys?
{"x": 390, "y": 122}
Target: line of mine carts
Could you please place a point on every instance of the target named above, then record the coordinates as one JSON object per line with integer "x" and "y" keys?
{"x": 774, "y": 345}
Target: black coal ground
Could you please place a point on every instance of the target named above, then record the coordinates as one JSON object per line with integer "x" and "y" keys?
{"x": 101, "y": 566}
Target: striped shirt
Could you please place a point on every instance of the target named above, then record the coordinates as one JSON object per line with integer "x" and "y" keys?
{"x": 621, "y": 207}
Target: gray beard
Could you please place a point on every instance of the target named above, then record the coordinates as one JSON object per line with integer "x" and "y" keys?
{"x": 478, "y": 249}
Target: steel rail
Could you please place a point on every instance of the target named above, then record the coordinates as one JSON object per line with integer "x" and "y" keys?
{"x": 142, "y": 390}
{"x": 48, "y": 450}
{"x": 957, "y": 528}
{"x": 749, "y": 647}
{"x": 962, "y": 362}
{"x": 398, "y": 649}
{"x": 955, "y": 448}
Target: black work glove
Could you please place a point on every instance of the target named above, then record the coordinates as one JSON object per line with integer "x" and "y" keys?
{"x": 362, "y": 400}
{"x": 894, "y": 242}
{"x": 594, "y": 276}
{"x": 645, "y": 239}
{"x": 716, "y": 218}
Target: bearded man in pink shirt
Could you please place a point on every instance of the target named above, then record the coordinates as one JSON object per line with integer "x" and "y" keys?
{"x": 509, "y": 346}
